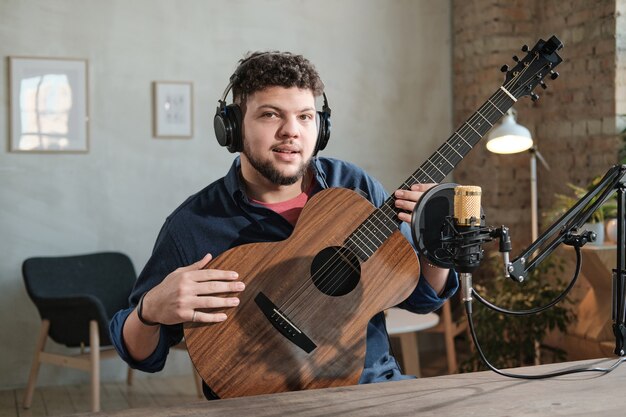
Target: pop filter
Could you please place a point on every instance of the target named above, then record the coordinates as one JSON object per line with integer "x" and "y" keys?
{"x": 428, "y": 219}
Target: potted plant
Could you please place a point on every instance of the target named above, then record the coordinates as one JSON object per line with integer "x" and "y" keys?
{"x": 596, "y": 223}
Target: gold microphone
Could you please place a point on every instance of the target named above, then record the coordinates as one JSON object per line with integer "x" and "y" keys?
{"x": 467, "y": 205}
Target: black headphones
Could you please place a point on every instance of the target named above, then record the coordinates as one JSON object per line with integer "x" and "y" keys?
{"x": 228, "y": 119}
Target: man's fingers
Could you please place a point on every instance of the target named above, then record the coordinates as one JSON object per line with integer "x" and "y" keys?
{"x": 414, "y": 193}
{"x": 405, "y": 204}
{"x": 202, "y": 317}
{"x": 422, "y": 187}
{"x": 198, "y": 265}
{"x": 212, "y": 275}
{"x": 408, "y": 195}
{"x": 205, "y": 302}
{"x": 405, "y": 217}
{"x": 219, "y": 287}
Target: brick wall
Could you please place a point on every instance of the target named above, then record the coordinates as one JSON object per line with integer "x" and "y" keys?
{"x": 620, "y": 81}
{"x": 574, "y": 123}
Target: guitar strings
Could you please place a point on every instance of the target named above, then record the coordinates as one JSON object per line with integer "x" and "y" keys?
{"x": 389, "y": 211}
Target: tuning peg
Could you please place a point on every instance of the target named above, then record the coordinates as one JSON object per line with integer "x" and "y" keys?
{"x": 554, "y": 75}
{"x": 543, "y": 85}
{"x": 525, "y": 48}
{"x": 534, "y": 97}
{"x": 504, "y": 68}
{"x": 515, "y": 58}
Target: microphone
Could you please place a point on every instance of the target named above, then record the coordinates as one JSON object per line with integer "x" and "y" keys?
{"x": 468, "y": 234}
{"x": 448, "y": 228}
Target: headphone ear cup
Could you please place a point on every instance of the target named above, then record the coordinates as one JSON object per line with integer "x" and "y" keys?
{"x": 227, "y": 126}
{"x": 323, "y": 131}
{"x": 236, "y": 120}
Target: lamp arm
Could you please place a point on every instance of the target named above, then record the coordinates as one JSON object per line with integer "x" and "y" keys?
{"x": 563, "y": 230}
{"x": 540, "y": 157}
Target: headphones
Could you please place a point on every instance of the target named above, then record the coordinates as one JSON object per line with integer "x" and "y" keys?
{"x": 228, "y": 119}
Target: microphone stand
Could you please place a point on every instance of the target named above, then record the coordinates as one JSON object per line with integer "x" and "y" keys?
{"x": 563, "y": 231}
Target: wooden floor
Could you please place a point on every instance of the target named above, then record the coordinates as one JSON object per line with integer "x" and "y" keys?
{"x": 62, "y": 400}
{"x": 147, "y": 391}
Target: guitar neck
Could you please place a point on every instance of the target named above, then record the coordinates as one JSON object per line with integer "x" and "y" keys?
{"x": 377, "y": 228}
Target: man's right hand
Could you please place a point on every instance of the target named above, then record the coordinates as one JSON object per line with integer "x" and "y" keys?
{"x": 182, "y": 293}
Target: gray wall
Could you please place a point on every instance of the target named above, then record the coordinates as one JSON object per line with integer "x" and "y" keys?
{"x": 386, "y": 65}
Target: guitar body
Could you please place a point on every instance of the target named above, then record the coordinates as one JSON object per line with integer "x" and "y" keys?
{"x": 248, "y": 355}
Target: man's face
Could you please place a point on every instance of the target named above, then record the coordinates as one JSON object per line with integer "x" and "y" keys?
{"x": 279, "y": 133}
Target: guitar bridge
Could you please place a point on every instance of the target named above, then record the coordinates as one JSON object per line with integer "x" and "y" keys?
{"x": 281, "y": 322}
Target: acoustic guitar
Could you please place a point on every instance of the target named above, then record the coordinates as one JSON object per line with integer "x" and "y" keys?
{"x": 301, "y": 322}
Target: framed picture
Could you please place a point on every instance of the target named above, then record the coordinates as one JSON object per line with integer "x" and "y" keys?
{"x": 172, "y": 109}
{"x": 48, "y": 105}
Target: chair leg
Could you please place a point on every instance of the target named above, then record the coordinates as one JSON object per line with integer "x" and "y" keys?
{"x": 449, "y": 338}
{"x": 34, "y": 370}
{"x": 198, "y": 381}
{"x": 130, "y": 376}
{"x": 410, "y": 353}
{"x": 94, "y": 345}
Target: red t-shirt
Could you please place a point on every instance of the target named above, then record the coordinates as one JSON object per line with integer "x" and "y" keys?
{"x": 289, "y": 209}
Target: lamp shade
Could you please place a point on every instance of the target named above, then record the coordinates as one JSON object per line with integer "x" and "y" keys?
{"x": 509, "y": 137}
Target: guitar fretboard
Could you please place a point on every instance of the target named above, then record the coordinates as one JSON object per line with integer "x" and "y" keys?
{"x": 379, "y": 226}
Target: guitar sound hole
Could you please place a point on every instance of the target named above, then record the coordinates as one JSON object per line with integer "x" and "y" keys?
{"x": 335, "y": 271}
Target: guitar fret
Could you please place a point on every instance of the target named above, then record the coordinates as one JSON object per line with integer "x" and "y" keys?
{"x": 473, "y": 129}
{"x": 466, "y": 142}
{"x": 356, "y": 249}
{"x": 497, "y": 108}
{"x": 377, "y": 229}
{"x": 480, "y": 114}
{"x": 363, "y": 244}
{"x": 428, "y": 160}
{"x": 425, "y": 173}
{"x": 356, "y": 235}
{"x": 367, "y": 238}
{"x": 445, "y": 159}
{"x": 383, "y": 224}
{"x": 451, "y": 147}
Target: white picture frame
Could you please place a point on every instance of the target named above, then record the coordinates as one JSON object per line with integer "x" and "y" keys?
{"x": 172, "y": 109}
{"x": 48, "y": 102}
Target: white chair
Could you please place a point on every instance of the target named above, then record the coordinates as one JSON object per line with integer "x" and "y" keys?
{"x": 404, "y": 325}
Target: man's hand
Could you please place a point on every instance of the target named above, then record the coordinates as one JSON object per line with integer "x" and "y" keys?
{"x": 406, "y": 199}
{"x": 179, "y": 296}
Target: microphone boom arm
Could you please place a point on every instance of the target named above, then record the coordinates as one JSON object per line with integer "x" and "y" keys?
{"x": 563, "y": 230}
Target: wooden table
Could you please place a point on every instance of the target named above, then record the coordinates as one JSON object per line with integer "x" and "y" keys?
{"x": 481, "y": 394}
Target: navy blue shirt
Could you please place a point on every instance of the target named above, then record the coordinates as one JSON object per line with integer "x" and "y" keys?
{"x": 221, "y": 217}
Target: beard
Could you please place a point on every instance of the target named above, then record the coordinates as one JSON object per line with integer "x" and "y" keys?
{"x": 269, "y": 171}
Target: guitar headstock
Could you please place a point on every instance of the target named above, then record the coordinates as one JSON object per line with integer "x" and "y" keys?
{"x": 533, "y": 68}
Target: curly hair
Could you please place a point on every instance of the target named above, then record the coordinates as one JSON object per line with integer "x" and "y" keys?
{"x": 259, "y": 70}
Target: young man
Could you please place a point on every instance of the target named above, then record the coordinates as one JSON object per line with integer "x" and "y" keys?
{"x": 259, "y": 199}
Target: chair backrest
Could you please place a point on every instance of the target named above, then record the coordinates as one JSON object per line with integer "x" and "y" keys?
{"x": 71, "y": 290}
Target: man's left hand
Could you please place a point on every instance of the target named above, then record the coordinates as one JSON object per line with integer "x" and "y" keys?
{"x": 406, "y": 199}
